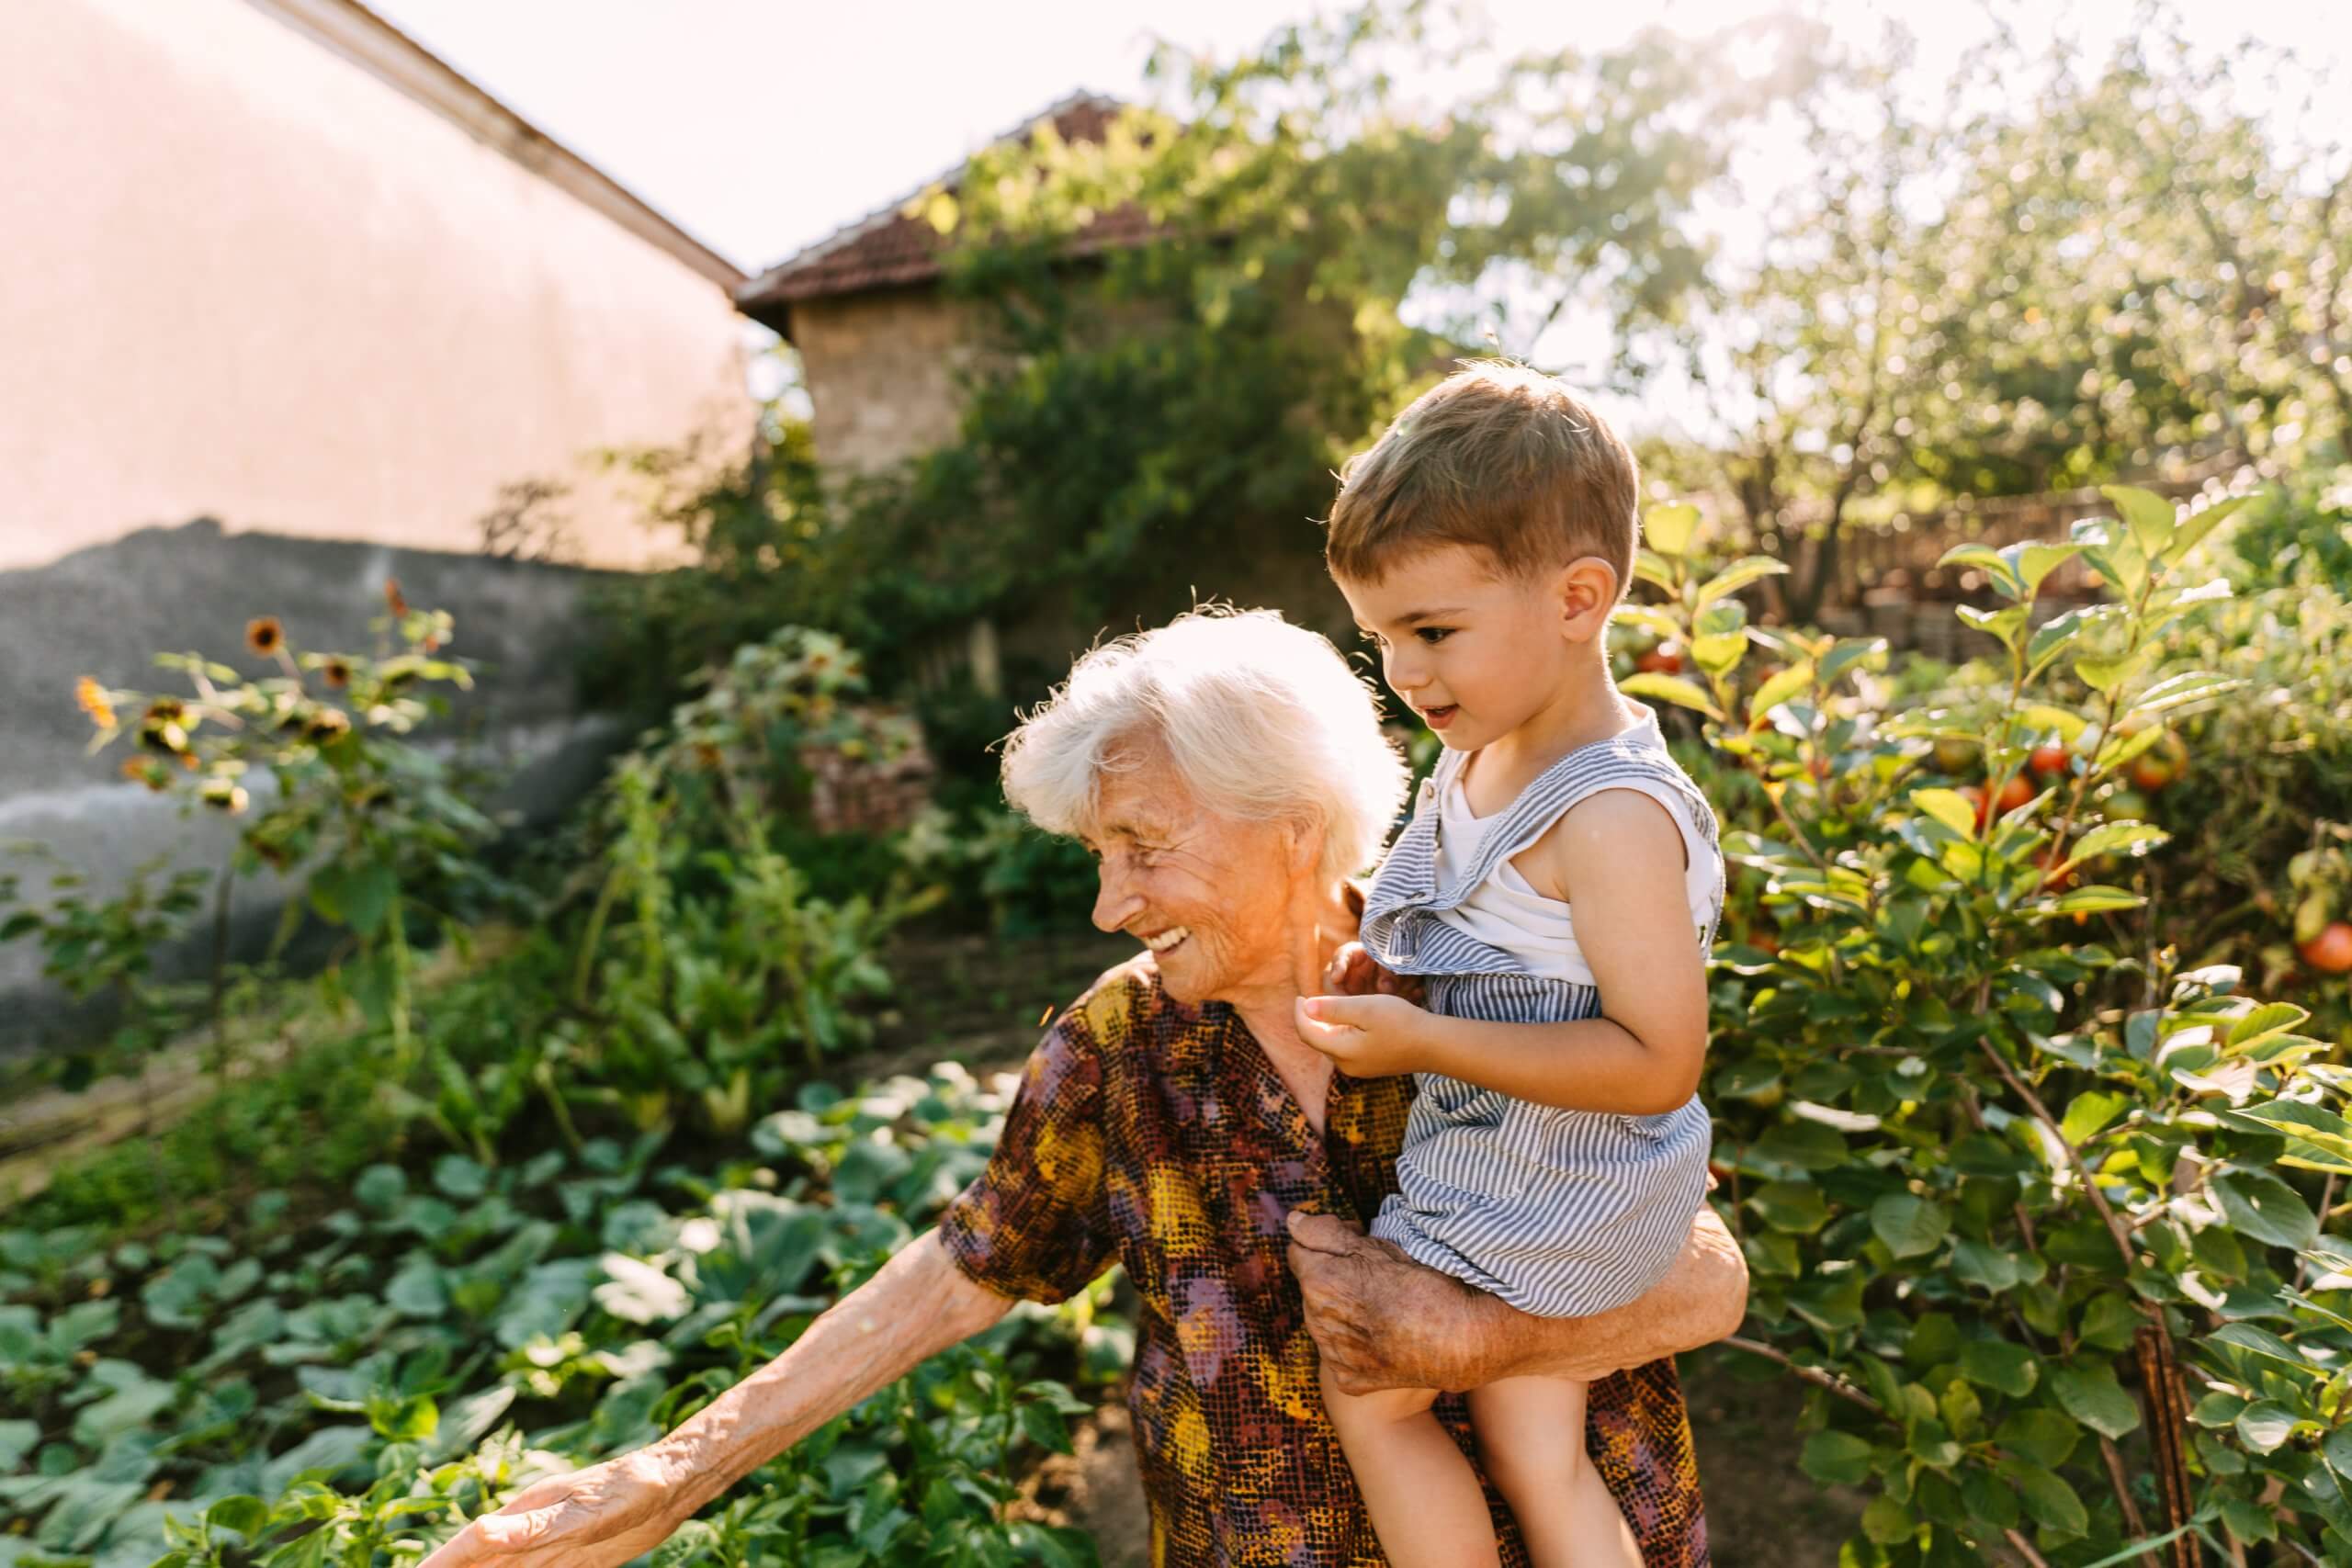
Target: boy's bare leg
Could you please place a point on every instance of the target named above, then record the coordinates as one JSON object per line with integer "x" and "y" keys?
{"x": 1531, "y": 1439}
{"x": 1424, "y": 1497}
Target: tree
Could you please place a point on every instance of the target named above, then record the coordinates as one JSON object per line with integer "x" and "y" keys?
{"x": 1154, "y": 412}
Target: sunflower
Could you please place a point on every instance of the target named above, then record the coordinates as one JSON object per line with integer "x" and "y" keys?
{"x": 264, "y": 635}
{"x": 324, "y": 724}
{"x": 92, "y": 699}
{"x": 337, "y": 673}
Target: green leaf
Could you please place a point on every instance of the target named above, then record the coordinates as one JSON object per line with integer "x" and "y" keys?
{"x": 1886, "y": 1521}
{"x": 1931, "y": 1444}
{"x": 406, "y": 1420}
{"x": 2042, "y": 718}
{"x": 2265, "y": 1208}
{"x": 303, "y": 1552}
{"x": 1984, "y": 1266}
{"x": 2262, "y": 1342}
{"x": 1808, "y": 1145}
{"x": 1853, "y": 653}
{"x": 1648, "y": 618}
{"x": 2048, "y": 1498}
{"x": 1947, "y": 807}
{"x": 1988, "y": 559}
{"x": 636, "y": 1292}
{"x": 1670, "y": 689}
{"x": 2032, "y": 562}
{"x": 2089, "y": 900}
{"x": 1667, "y": 528}
{"x": 2179, "y": 691}
{"x": 243, "y": 1514}
{"x": 2105, "y": 676}
{"x": 2191, "y": 531}
{"x": 380, "y": 1188}
{"x": 2091, "y": 1395}
{"x": 2053, "y": 638}
{"x": 2109, "y": 1323}
{"x": 1045, "y": 1426}
{"x": 2001, "y": 1364}
{"x": 1911, "y": 1226}
{"x": 1738, "y": 575}
{"x": 419, "y": 1290}
{"x": 2263, "y": 1426}
{"x": 2089, "y": 1112}
{"x": 1719, "y": 636}
{"x": 458, "y": 1177}
{"x": 1782, "y": 684}
{"x": 2148, "y": 516}
{"x": 2271, "y": 1017}
{"x": 1836, "y": 1459}
{"x": 2109, "y": 838}
{"x": 2043, "y": 1436}
{"x": 2005, "y": 625}
{"x": 1791, "y": 1206}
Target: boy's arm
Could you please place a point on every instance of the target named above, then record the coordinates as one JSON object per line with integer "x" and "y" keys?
{"x": 1618, "y": 858}
{"x": 1621, "y": 857}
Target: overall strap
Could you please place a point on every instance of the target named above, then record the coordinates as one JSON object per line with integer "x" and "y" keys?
{"x": 1585, "y": 771}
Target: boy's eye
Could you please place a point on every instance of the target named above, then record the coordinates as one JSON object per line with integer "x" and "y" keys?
{"x": 1434, "y": 635}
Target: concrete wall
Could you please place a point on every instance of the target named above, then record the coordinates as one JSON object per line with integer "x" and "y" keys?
{"x": 884, "y": 374}
{"x": 246, "y": 280}
{"x": 104, "y": 612}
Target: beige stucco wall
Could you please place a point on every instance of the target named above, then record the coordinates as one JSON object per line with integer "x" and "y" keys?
{"x": 245, "y": 278}
{"x": 883, "y": 372}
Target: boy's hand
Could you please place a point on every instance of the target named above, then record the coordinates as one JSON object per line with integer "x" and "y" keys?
{"x": 1366, "y": 1037}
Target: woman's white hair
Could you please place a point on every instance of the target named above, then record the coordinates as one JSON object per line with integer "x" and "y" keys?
{"x": 1263, "y": 720}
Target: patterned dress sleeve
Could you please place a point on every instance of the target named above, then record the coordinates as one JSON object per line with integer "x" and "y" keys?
{"x": 1034, "y": 1225}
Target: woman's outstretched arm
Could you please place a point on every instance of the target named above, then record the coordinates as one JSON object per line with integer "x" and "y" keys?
{"x": 918, "y": 1305}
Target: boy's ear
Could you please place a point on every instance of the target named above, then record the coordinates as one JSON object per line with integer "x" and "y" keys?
{"x": 1586, "y": 591}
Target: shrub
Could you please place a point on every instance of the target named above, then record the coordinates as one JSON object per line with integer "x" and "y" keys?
{"x": 2030, "y": 1205}
{"x": 332, "y": 1389}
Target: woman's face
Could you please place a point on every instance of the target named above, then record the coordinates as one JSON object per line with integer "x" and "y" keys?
{"x": 1211, "y": 896}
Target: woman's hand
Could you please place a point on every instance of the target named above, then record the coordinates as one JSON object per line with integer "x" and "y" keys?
{"x": 591, "y": 1519}
{"x": 1355, "y": 972}
{"x": 1381, "y": 1320}
{"x": 1366, "y": 1037}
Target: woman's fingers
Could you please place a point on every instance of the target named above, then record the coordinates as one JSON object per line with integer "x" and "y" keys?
{"x": 1351, "y": 970}
{"x": 540, "y": 1527}
{"x": 561, "y": 1520}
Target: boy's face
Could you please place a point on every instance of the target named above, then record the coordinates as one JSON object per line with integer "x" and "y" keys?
{"x": 1475, "y": 653}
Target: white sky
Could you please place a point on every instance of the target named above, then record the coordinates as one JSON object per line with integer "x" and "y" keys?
{"x": 760, "y": 125}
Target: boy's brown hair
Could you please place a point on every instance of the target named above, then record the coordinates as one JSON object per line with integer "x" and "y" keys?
{"x": 1496, "y": 456}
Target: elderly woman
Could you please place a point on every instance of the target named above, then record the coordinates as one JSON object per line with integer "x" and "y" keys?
{"x": 1228, "y": 774}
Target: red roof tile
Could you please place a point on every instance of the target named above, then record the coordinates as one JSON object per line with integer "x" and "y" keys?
{"x": 892, "y": 248}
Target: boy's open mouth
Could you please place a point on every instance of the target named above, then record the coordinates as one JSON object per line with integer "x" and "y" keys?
{"x": 1438, "y": 718}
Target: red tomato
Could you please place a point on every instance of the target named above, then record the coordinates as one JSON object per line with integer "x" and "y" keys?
{"x": 2330, "y": 953}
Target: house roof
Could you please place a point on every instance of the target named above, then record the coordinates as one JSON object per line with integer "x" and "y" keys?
{"x": 350, "y": 29}
{"x": 894, "y": 245}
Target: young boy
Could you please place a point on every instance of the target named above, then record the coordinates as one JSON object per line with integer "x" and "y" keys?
{"x": 1558, "y": 888}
